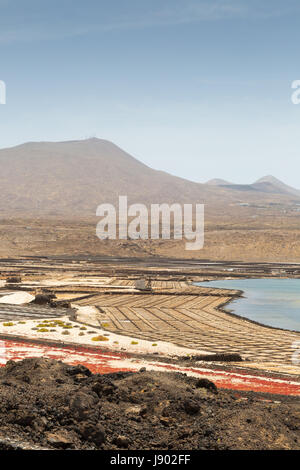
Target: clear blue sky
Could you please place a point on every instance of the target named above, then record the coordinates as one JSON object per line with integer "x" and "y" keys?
{"x": 201, "y": 89}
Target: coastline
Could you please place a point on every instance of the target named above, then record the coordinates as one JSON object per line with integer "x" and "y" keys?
{"x": 177, "y": 313}
{"x": 241, "y": 295}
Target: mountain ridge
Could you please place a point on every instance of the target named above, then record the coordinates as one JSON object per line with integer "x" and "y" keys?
{"x": 74, "y": 177}
{"x": 267, "y": 183}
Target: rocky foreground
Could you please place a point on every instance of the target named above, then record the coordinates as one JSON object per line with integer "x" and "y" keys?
{"x": 49, "y": 404}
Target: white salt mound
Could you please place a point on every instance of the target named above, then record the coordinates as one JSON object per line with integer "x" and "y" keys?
{"x": 18, "y": 298}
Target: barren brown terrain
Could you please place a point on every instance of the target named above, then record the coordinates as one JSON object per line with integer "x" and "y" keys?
{"x": 264, "y": 238}
{"x": 50, "y": 192}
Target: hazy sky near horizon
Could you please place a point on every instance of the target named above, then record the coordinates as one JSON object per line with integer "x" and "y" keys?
{"x": 201, "y": 89}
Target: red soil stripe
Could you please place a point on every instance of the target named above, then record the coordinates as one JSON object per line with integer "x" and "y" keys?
{"x": 103, "y": 362}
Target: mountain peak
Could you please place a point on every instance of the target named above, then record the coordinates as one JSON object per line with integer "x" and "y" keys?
{"x": 74, "y": 177}
{"x": 218, "y": 182}
{"x": 277, "y": 184}
{"x": 269, "y": 179}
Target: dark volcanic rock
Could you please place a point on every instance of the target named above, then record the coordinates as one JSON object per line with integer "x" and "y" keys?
{"x": 93, "y": 432}
{"x": 43, "y": 299}
{"x": 149, "y": 410}
{"x": 82, "y": 405}
{"x": 121, "y": 441}
{"x": 225, "y": 357}
{"x": 60, "y": 439}
{"x": 191, "y": 407}
{"x": 13, "y": 280}
{"x": 205, "y": 383}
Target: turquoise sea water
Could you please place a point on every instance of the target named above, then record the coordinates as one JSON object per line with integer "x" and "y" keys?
{"x": 273, "y": 302}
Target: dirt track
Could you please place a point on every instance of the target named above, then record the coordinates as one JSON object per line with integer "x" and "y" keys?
{"x": 50, "y": 404}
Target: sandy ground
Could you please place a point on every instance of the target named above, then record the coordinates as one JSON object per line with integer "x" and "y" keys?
{"x": 113, "y": 341}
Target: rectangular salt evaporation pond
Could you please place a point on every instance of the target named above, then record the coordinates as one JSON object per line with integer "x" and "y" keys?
{"x": 272, "y": 302}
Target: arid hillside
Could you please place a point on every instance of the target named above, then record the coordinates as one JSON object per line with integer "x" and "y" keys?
{"x": 74, "y": 177}
{"x": 50, "y": 192}
{"x": 239, "y": 239}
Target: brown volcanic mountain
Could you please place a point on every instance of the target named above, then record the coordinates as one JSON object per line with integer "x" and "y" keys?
{"x": 75, "y": 177}
{"x": 267, "y": 184}
{"x": 284, "y": 188}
